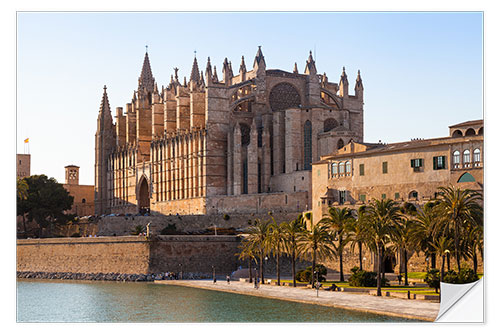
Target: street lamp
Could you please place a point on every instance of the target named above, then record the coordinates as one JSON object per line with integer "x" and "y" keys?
{"x": 264, "y": 269}
{"x": 317, "y": 283}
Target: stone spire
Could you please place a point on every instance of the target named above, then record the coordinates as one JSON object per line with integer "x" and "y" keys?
{"x": 343, "y": 84}
{"x": 202, "y": 80}
{"x": 259, "y": 61}
{"x": 310, "y": 65}
{"x": 358, "y": 88}
{"x": 185, "y": 82}
{"x": 208, "y": 71}
{"x": 195, "y": 72}
{"x": 146, "y": 80}
{"x": 227, "y": 71}
{"x": 295, "y": 70}
{"x": 215, "y": 79}
{"x": 243, "y": 67}
{"x": 105, "y": 108}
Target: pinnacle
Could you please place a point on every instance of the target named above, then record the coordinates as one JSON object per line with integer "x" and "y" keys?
{"x": 104, "y": 102}
{"x": 146, "y": 79}
{"x": 195, "y": 72}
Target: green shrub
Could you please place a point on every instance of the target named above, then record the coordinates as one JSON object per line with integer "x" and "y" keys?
{"x": 225, "y": 217}
{"x": 451, "y": 277}
{"x": 466, "y": 275}
{"x": 139, "y": 229}
{"x": 432, "y": 278}
{"x": 361, "y": 278}
{"x": 170, "y": 229}
{"x": 305, "y": 274}
{"x": 76, "y": 234}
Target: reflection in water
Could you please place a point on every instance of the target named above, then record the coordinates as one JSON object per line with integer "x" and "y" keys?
{"x": 83, "y": 301}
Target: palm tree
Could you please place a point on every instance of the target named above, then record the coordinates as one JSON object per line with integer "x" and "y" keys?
{"x": 425, "y": 230}
{"x": 380, "y": 229}
{"x": 402, "y": 237}
{"x": 337, "y": 221}
{"x": 357, "y": 231}
{"x": 315, "y": 244}
{"x": 276, "y": 241}
{"x": 442, "y": 245}
{"x": 248, "y": 252}
{"x": 258, "y": 236}
{"x": 457, "y": 206}
{"x": 292, "y": 231}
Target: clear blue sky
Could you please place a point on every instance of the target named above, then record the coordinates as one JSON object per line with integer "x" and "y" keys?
{"x": 421, "y": 71}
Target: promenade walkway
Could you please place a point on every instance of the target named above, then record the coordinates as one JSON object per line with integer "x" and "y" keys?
{"x": 413, "y": 309}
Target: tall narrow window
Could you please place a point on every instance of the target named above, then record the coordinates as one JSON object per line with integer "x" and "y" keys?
{"x": 384, "y": 167}
{"x": 477, "y": 156}
{"x": 245, "y": 177}
{"x": 341, "y": 169}
{"x": 456, "y": 159}
{"x": 361, "y": 169}
{"x": 307, "y": 145}
{"x": 348, "y": 168}
{"x": 342, "y": 197}
{"x": 466, "y": 158}
{"x": 334, "y": 170}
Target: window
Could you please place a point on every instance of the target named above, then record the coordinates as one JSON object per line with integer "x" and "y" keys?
{"x": 396, "y": 195}
{"x": 477, "y": 156}
{"x": 19, "y": 162}
{"x": 466, "y": 158}
{"x": 456, "y": 158}
{"x": 341, "y": 168}
{"x": 417, "y": 163}
{"x": 438, "y": 162}
{"x": 361, "y": 169}
{"x": 334, "y": 170}
{"x": 83, "y": 200}
{"x": 384, "y": 167}
{"x": 413, "y": 195}
{"x": 348, "y": 168}
{"x": 384, "y": 196}
{"x": 342, "y": 197}
{"x": 362, "y": 197}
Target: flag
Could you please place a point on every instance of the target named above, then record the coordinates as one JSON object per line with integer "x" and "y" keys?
{"x": 27, "y": 140}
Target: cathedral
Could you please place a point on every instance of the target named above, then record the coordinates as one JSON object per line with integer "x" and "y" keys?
{"x": 242, "y": 143}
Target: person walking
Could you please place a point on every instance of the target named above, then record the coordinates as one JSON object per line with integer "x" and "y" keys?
{"x": 228, "y": 279}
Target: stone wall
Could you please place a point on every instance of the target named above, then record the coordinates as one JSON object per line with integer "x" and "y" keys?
{"x": 129, "y": 255}
{"x": 123, "y": 225}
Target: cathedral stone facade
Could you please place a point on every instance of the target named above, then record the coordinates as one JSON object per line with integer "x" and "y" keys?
{"x": 242, "y": 143}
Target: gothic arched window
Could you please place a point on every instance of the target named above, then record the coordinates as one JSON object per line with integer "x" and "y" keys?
{"x": 307, "y": 145}
{"x": 340, "y": 144}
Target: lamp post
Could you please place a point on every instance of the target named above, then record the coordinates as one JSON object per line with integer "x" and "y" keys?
{"x": 317, "y": 283}
{"x": 256, "y": 283}
{"x": 180, "y": 269}
{"x": 264, "y": 269}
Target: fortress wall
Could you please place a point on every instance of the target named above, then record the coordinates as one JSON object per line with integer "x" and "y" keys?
{"x": 122, "y": 225}
{"x": 128, "y": 255}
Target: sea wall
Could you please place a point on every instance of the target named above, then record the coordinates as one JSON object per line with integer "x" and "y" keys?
{"x": 129, "y": 255}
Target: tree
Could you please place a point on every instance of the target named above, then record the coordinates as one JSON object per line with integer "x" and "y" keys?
{"x": 357, "y": 231}
{"x": 457, "y": 207}
{"x": 45, "y": 201}
{"x": 258, "y": 236}
{"x": 248, "y": 252}
{"x": 380, "y": 228}
{"x": 442, "y": 245}
{"x": 316, "y": 243}
{"x": 22, "y": 195}
{"x": 276, "y": 243}
{"x": 292, "y": 231}
{"x": 424, "y": 229}
{"x": 337, "y": 221}
{"x": 403, "y": 234}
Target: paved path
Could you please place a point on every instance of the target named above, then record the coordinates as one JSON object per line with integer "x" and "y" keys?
{"x": 413, "y": 309}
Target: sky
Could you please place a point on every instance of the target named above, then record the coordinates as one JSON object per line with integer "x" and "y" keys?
{"x": 422, "y": 72}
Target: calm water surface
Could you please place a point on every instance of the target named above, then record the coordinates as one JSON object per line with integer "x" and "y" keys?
{"x": 84, "y": 301}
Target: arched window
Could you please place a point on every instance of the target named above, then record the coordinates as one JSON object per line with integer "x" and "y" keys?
{"x": 456, "y": 159}
{"x": 348, "y": 168}
{"x": 83, "y": 200}
{"x": 457, "y": 133}
{"x": 341, "y": 168}
{"x": 329, "y": 124}
{"x": 307, "y": 145}
{"x": 334, "y": 170}
{"x": 413, "y": 195}
{"x": 477, "y": 155}
{"x": 245, "y": 134}
{"x": 340, "y": 144}
{"x": 480, "y": 132}
{"x": 466, "y": 158}
{"x": 470, "y": 132}
{"x": 466, "y": 178}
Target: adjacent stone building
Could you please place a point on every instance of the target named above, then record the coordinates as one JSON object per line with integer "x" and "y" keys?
{"x": 404, "y": 171}
{"x": 244, "y": 142}
{"x": 83, "y": 202}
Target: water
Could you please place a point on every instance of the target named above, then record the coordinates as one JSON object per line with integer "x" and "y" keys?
{"x": 85, "y": 301}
